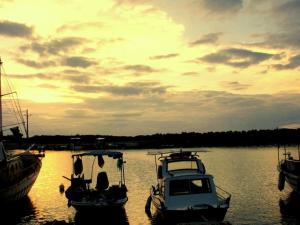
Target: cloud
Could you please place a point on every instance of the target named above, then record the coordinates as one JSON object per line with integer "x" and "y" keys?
{"x": 289, "y": 39}
{"x": 239, "y": 58}
{"x": 78, "y": 113}
{"x": 294, "y": 62}
{"x": 234, "y": 85}
{"x": 48, "y": 86}
{"x": 77, "y": 26}
{"x": 167, "y": 56}
{"x": 128, "y": 114}
{"x": 191, "y": 73}
{"x": 36, "y": 63}
{"x": 139, "y": 69}
{"x": 130, "y": 89}
{"x": 13, "y": 29}
{"x": 207, "y": 39}
{"x": 223, "y": 6}
{"x": 131, "y": 2}
{"x": 78, "y": 77}
{"x": 55, "y": 46}
{"x": 78, "y": 61}
{"x": 167, "y": 113}
{"x": 288, "y": 12}
{"x": 295, "y": 125}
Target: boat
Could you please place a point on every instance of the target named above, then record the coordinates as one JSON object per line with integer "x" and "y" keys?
{"x": 103, "y": 196}
{"x": 18, "y": 172}
{"x": 289, "y": 169}
{"x": 184, "y": 191}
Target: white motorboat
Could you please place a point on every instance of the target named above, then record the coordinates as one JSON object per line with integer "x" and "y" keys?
{"x": 103, "y": 196}
{"x": 289, "y": 169}
{"x": 184, "y": 190}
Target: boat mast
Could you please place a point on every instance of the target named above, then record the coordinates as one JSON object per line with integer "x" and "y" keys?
{"x": 1, "y": 128}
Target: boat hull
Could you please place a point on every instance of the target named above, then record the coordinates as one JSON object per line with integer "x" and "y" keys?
{"x": 98, "y": 205}
{"x": 291, "y": 172}
{"x": 21, "y": 188}
{"x": 200, "y": 215}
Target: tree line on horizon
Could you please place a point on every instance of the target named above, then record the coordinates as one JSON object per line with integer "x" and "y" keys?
{"x": 177, "y": 140}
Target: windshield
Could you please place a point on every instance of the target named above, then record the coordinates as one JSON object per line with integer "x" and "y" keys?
{"x": 182, "y": 165}
{"x": 192, "y": 186}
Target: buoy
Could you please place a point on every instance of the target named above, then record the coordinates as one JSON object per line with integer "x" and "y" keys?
{"x": 61, "y": 188}
{"x": 281, "y": 181}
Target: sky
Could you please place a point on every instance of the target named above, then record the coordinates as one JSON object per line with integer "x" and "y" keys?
{"x": 130, "y": 67}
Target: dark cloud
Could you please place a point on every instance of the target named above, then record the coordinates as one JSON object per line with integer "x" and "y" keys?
{"x": 48, "y": 86}
{"x": 285, "y": 17}
{"x": 167, "y": 56}
{"x": 239, "y": 58}
{"x": 288, "y": 12}
{"x": 55, "y": 46}
{"x": 207, "y": 39}
{"x": 294, "y": 62}
{"x": 36, "y": 63}
{"x": 13, "y": 29}
{"x": 168, "y": 113}
{"x": 74, "y": 78}
{"x": 126, "y": 115}
{"x": 234, "y": 85}
{"x": 78, "y": 61}
{"x": 289, "y": 39}
{"x": 130, "y": 89}
{"x": 78, "y": 113}
{"x": 223, "y": 6}
{"x": 191, "y": 73}
{"x": 36, "y": 75}
{"x": 139, "y": 69}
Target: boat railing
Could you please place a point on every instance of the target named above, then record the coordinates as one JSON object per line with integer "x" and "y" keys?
{"x": 223, "y": 195}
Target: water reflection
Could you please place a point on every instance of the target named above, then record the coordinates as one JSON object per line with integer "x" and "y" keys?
{"x": 158, "y": 219}
{"x": 108, "y": 217}
{"x": 290, "y": 208}
{"x": 20, "y": 212}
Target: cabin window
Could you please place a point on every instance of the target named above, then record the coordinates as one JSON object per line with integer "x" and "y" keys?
{"x": 194, "y": 186}
{"x": 182, "y": 165}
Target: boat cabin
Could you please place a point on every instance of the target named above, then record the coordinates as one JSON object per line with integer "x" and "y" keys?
{"x": 182, "y": 163}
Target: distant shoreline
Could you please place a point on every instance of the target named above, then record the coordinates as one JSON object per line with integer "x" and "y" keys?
{"x": 160, "y": 141}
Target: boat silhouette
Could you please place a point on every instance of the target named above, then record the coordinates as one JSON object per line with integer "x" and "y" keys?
{"x": 18, "y": 172}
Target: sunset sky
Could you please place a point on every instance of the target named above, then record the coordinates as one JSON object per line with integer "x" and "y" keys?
{"x": 129, "y": 67}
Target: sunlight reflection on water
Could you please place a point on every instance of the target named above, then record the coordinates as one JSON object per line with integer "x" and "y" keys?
{"x": 249, "y": 174}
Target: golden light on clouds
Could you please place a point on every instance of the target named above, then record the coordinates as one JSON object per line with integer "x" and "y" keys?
{"x": 152, "y": 66}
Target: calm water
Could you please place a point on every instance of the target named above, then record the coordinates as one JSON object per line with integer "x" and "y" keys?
{"x": 249, "y": 174}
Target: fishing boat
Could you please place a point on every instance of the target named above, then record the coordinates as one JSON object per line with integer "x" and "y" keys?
{"x": 18, "y": 172}
{"x": 184, "y": 191}
{"x": 103, "y": 196}
{"x": 289, "y": 169}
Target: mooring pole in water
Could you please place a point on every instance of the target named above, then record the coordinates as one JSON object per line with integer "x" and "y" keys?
{"x": 278, "y": 152}
{"x": 298, "y": 152}
{"x": 155, "y": 165}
